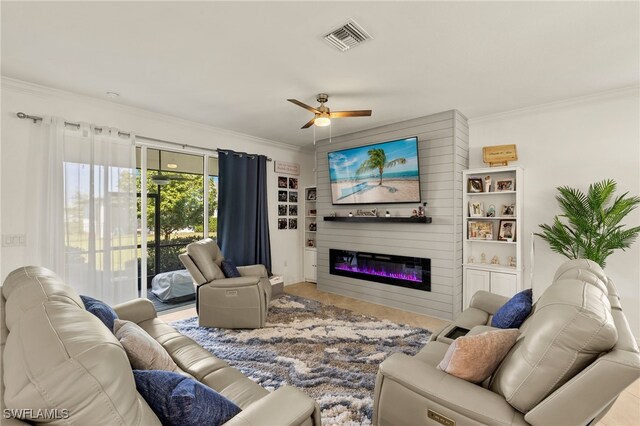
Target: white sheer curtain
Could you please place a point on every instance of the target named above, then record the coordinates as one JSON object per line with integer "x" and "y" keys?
{"x": 84, "y": 206}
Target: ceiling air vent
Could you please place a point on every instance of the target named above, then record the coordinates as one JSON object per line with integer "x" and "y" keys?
{"x": 347, "y": 36}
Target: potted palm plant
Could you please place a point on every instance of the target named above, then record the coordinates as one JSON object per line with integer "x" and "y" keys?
{"x": 589, "y": 226}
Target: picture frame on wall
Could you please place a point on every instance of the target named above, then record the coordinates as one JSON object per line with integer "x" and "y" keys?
{"x": 503, "y": 185}
{"x": 282, "y": 209}
{"x": 293, "y": 196}
{"x": 293, "y": 223}
{"x": 293, "y": 210}
{"x": 480, "y": 230}
{"x": 476, "y": 209}
{"x": 507, "y": 230}
{"x": 282, "y": 223}
{"x": 475, "y": 185}
{"x": 282, "y": 196}
{"x": 282, "y": 181}
{"x": 293, "y": 183}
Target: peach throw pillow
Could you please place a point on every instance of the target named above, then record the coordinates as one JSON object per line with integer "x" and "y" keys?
{"x": 475, "y": 358}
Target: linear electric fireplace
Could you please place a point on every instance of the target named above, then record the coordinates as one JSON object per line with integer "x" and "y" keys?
{"x": 403, "y": 271}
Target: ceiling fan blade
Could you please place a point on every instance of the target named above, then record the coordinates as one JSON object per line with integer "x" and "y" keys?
{"x": 342, "y": 114}
{"x": 305, "y": 106}
{"x": 309, "y": 124}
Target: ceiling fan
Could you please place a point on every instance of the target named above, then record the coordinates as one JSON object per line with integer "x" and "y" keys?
{"x": 159, "y": 178}
{"x": 323, "y": 115}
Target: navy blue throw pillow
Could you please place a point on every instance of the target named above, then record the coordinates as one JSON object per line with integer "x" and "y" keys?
{"x": 513, "y": 313}
{"x": 104, "y": 312}
{"x": 181, "y": 401}
{"x": 229, "y": 269}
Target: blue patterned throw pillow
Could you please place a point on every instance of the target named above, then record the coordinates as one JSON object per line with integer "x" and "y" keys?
{"x": 229, "y": 269}
{"x": 104, "y": 312}
{"x": 513, "y": 313}
{"x": 181, "y": 401}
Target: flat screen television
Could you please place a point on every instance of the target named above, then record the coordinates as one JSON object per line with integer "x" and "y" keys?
{"x": 381, "y": 173}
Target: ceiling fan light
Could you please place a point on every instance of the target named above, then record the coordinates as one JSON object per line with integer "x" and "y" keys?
{"x": 322, "y": 121}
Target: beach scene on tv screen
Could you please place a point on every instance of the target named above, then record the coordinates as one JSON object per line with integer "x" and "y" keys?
{"x": 386, "y": 172}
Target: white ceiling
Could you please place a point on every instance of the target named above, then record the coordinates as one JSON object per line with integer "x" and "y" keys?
{"x": 234, "y": 64}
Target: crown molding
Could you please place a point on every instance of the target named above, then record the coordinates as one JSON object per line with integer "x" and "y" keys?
{"x": 46, "y": 91}
{"x": 557, "y": 104}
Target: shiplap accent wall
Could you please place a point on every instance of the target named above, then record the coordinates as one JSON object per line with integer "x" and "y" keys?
{"x": 443, "y": 149}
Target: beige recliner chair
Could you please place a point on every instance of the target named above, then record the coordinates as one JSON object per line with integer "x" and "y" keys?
{"x": 574, "y": 356}
{"x": 222, "y": 302}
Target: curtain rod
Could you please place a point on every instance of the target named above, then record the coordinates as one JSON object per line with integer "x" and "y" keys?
{"x": 35, "y": 119}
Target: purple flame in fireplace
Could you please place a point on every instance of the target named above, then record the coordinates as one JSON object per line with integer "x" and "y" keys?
{"x": 412, "y": 276}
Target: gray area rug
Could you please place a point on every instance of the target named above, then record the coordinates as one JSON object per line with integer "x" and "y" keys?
{"x": 330, "y": 353}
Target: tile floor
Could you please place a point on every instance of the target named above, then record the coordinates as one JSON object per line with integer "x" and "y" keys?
{"x": 625, "y": 412}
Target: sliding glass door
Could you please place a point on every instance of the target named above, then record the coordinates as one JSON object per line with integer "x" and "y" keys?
{"x": 175, "y": 217}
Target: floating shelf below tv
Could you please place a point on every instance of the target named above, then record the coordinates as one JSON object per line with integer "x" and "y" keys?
{"x": 406, "y": 219}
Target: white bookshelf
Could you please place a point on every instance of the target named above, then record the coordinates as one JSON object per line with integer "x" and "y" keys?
{"x": 501, "y": 278}
{"x": 310, "y": 255}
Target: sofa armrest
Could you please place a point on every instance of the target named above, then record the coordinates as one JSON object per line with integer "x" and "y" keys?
{"x": 253, "y": 271}
{"x": 285, "y": 406}
{"x": 234, "y": 282}
{"x": 136, "y": 310}
{"x": 467, "y": 399}
{"x": 488, "y": 302}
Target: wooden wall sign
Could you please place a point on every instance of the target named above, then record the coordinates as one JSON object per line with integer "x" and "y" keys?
{"x": 499, "y": 155}
{"x": 287, "y": 168}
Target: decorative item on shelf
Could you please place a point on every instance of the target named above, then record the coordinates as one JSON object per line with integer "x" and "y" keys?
{"x": 414, "y": 213}
{"x": 311, "y": 242}
{"x": 487, "y": 183}
{"x": 491, "y": 211}
{"x": 505, "y": 185}
{"x": 367, "y": 213}
{"x": 475, "y": 185}
{"x": 332, "y": 214}
{"x": 480, "y": 230}
{"x": 420, "y": 211}
{"x": 511, "y": 261}
{"x": 508, "y": 210}
{"x": 483, "y": 258}
{"x": 495, "y": 260}
{"x": 387, "y": 214}
{"x": 350, "y": 214}
{"x": 476, "y": 209}
{"x": 471, "y": 260}
{"x": 312, "y": 212}
{"x": 312, "y": 226}
{"x": 589, "y": 226}
{"x": 499, "y": 155}
{"x": 311, "y": 194}
{"x": 507, "y": 230}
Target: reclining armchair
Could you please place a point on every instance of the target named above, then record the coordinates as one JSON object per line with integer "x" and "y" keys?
{"x": 222, "y": 302}
{"x": 574, "y": 356}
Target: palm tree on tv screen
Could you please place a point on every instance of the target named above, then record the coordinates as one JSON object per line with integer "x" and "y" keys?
{"x": 378, "y": 160}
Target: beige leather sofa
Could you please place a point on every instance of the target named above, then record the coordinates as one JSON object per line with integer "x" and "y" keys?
{"x": 574, "y": 356}
{"x": 222, "y": 302}
{"x": 56, "y": 355}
